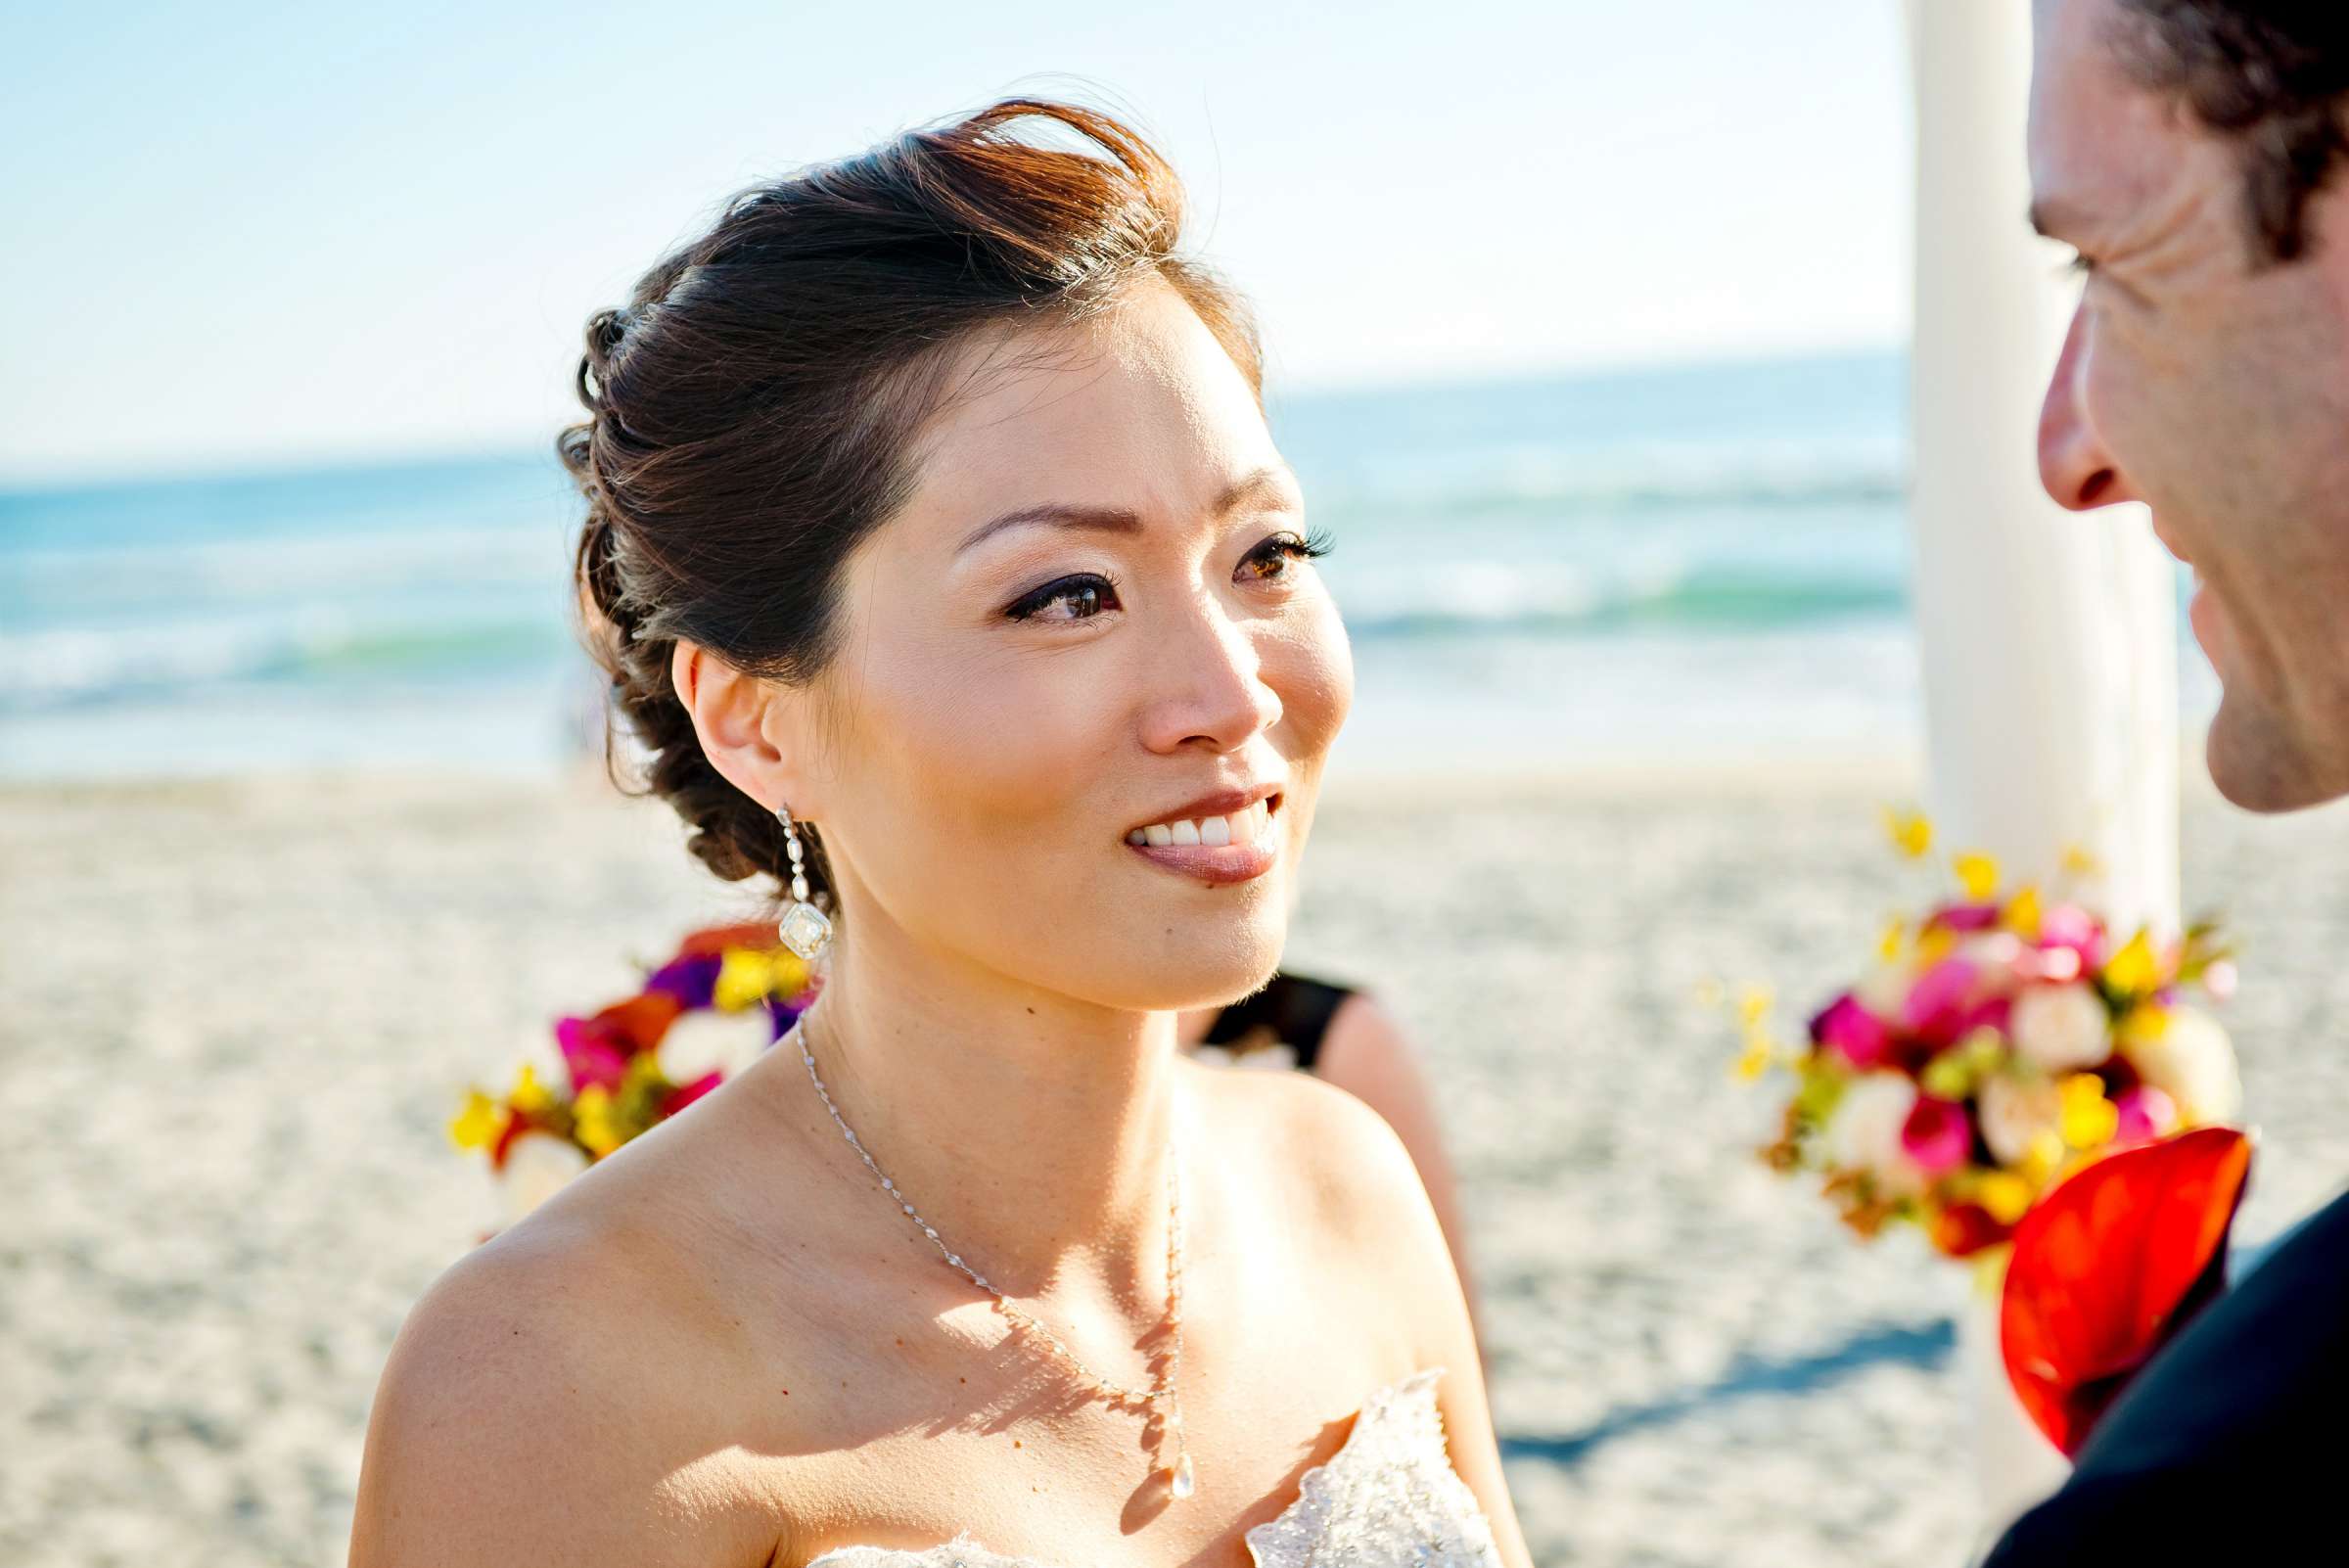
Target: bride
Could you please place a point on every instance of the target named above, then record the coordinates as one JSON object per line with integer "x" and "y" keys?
{"x": 956, "y": 583}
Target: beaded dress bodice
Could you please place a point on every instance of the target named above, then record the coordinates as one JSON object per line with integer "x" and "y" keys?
{"x": 1389, "y": 1497}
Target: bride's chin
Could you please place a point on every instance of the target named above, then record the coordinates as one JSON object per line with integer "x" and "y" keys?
{"x": 1215, "y": 975}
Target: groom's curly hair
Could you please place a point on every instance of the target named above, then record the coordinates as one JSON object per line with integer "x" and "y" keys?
{"x": 2271, "y": 76}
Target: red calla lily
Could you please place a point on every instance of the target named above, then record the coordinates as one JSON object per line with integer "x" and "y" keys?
{"x": 2109, "y": 1266}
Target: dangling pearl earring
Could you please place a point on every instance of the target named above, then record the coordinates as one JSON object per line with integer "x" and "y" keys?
{"x": 804, "y": 929}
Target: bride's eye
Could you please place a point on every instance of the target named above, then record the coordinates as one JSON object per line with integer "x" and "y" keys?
{"x": 1083, "y": 596}
{"x": 1277, "y": 557}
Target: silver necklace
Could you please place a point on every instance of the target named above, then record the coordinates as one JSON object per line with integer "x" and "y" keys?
{"x": 1182, "y": 1476}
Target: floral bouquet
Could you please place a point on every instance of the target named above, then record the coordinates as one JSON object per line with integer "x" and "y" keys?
{"x": 1997, "y": 1044}
{"x": 702, "y": 1016}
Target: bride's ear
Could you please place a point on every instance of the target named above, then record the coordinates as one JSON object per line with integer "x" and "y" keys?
{"x": 748, "y": 728}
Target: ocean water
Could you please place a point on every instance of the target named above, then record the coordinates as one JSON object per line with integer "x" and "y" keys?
{"x": 1701, "y": 564}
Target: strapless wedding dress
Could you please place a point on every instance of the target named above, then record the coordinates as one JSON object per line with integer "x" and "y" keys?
{"x": 1389, "y": 1497}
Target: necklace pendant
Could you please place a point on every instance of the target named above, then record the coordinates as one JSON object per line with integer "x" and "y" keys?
{"x": 1183, "y": 1480}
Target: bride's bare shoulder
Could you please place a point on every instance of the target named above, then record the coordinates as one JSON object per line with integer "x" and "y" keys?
{"x": 560, "y": 1383}
{"x": 1320, "y": 1141}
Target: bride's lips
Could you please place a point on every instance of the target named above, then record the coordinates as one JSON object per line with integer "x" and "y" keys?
{"x": 1228, "y": 837}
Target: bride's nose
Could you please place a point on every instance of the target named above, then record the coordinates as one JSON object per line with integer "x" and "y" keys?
{"x": 1208, "y": 683}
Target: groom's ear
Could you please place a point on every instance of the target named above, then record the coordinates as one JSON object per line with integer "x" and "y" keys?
{"x": 750, "y": 729}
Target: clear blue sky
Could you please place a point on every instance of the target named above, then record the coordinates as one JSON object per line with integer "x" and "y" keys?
{"x": 257, "y": 233}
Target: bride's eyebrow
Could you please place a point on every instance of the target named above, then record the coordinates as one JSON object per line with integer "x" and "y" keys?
{"x": 1107, "y": 519}
{"x": 1271, "y": 482}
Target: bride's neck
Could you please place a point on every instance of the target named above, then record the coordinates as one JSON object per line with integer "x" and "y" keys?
{"x": 1026, "y": 1126}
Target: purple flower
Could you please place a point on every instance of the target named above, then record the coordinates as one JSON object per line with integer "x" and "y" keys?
{"x": 690, "y": 979}
{"x": 1965, "y": 917}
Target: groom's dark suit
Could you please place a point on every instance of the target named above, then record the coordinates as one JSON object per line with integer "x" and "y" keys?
{"x": 2232, "y": 1442}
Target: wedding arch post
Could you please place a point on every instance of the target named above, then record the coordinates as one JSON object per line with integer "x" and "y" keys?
{"x": 2049, "y": 639}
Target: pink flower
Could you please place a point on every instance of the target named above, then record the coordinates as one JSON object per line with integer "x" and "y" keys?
{"x": 596, "y": 1050}
{"x": 590, "y": 1052}
{"x": 1937, "y": 1004}
{"x": 2146, "y": 1113}
{"x": 1937, "y": 1136}
{"x": 2067, "y": 925}
{"x": 1852, "y": 1032}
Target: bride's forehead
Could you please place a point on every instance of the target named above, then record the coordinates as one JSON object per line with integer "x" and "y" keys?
{"x": 1139, "y": 407}
{"x": 1145, "y": 368}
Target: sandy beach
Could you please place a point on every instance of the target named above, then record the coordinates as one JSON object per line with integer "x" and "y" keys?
{"x": 241, "y": 1013}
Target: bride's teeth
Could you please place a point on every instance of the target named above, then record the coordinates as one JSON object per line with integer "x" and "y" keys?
{"x": 1158, "y": 834}
{"x": 1186, "y": 833}
{"x": 1216, "y": 831}
{"x": 1139, "y": 836}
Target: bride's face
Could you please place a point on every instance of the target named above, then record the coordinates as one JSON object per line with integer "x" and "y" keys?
{"x": 1094, "y": 618}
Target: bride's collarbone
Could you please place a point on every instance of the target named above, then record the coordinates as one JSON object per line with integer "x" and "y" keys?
{"x": 1061, "y": 1486}
{"x": 915, "y": 1414}
{"x": 879, "y": 1400}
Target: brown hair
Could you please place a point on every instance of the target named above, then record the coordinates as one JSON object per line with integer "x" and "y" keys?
{"x": 752, "y": 410}
{"x": 2271, "y": 75}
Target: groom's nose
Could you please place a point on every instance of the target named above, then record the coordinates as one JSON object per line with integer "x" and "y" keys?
{"x": 2073, "y": 463}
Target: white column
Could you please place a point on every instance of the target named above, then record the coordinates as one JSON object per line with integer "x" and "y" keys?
{"x": 2050, "y": 640}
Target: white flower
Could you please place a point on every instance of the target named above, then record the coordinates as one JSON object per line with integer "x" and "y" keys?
{"x": 1865, "y": 1132}
{"x": 2015, "y": 1112}
{"x": 708, "y": 1040}
{"x": 2063, "y": 1029}
{"x": 537, "y": 1164}
{"x": 2192, "y": 1062}
{"x": 1997, "y": 957}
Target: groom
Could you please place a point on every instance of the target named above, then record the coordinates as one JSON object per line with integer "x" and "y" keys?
{"x": 2193, "y": 153}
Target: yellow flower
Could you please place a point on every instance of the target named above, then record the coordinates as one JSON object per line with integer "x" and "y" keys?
{"x": 2023, "y": 913}
{"x": 1977, "y": 873}
{"x": 1911, "y": 832}
{"x": 2144, "y": 1024}
{"x": 2079, "y": 862}
{"x": 747, "y": 977}
{"x": 2134, "y": 969}
{"x": 2005, "y": 1195}
{"x": 479, "y": 1123}
{"x": 2090, "y": 1120}
{"x": 595, "y": 1127}
{"x": 528, "y": 1093}
{"x": 2040, "y": 1160}
{"x": 1756, "y": 1058}
{"x": 1753, "y": 1006}
{"x": 1896, "y": 933}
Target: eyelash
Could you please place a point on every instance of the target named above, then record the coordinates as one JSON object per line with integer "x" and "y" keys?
{"x": 1289, "y": 547}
